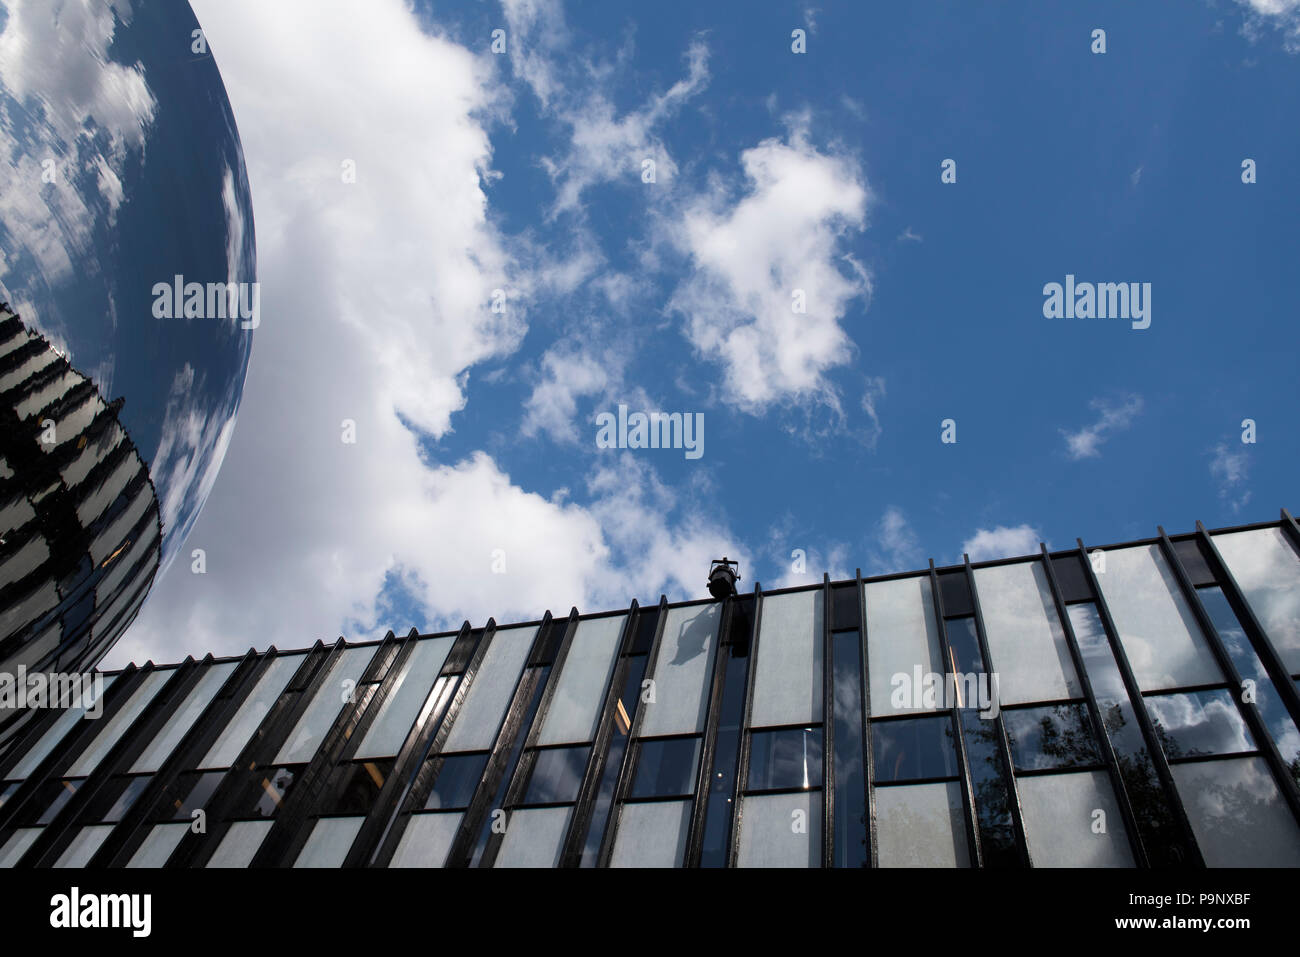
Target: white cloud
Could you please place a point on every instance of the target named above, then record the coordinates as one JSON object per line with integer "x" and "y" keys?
{"x": 750, "y": 257}
{"x": 1230, "y": 467}
{"x": 1282, "y": 15}
{"x": 1114, "y": 417}
{"x": 1002, "y": 542}
{"x": 567, "y": 375}
{"x": 375, "y": 303}
{"x": 897, "y": 548}
{"x": 604, "y": 145}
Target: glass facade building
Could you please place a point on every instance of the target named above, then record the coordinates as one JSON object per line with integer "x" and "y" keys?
{"x": 1134, "y": 705}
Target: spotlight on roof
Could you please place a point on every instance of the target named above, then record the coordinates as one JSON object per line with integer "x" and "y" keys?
{"x": 723, "y": 575}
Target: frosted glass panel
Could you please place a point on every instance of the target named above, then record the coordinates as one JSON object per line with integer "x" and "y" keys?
{"x": 534, "y": 837}
{"x": 576, "y": 706}
{"x": 788, "y": 681}
{"x": 1160, "y": 636}
{"x": 17, "y": 845}
{"x": 329, "y": 842}
{"x": 426, "y": 841}
{"x": 781, "y": 830}
{"x": 1237, "y": 814}
{"x": 116, "y": 725}
{"x": 184, "y": 717}
{"x": 921, "y": 825}
{"x": 402, "y": 706}
{"x": 62, "y": 725}
{"x": 901, "y": 636}
{"x": 339, "y": 685}
{"x": 84, "y": 846}
{"x": 1267, "y": 570}
{"x": 1026, "y": 641}
{"x": 158, "y": 846}
{"x": 249, "y": 717}
{"x": 652, "y": 835}
{"x": 240, "y": 844}
{"x": 1060, "y": 814}
{"x": 490, "y": 692}
{"x": 682, "y": 670}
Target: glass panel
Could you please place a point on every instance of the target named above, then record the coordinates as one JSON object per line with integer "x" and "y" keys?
{"x": 1237, "y": 814}
{"x": 955, "y": 592}
{"x": 426, "y": 840}
{"x": 405, "y": 699}
{"x": 902, "y": 640}
{"x": 992, "y": 803}
{"x": 49, "y": 799}
{"x": 8, "y": 789}
{"x": 788, "y": 675}
{"x": 250, "y": 714}
{"x": 1025, "y": 637}
{"x": 184, "y": 717}
{"x": 114, "y": 799}
{"x": 84, "y": 846}
{"x": 682, "y": 670}
{"x": 921, "y": 825}
{"x": 240, "y": 844}
{"x": 330, "y": 841}
{"x": 358, "y": 790}
{"x": 62, "y": 725}
{"x": 666, "y": 767}
{"x": 197, "y": 788}
{"x": 159, "y": 845}
{"x": 270, "y": 788}
{"x": 490, "y": 691}
{"x": 17, "y": 845}
{"x": 335, "y": 691}
{"x": 845, "y": 613}
{"x": 1199, "y": 722}
{"x": 116, "y": 725}
{"x": 557, "y": 775}
{"x": 790, "y": 758}
{"x": 1160, "y": 833}
{"x": 652, "y": 834}
{"x": 913, "y": 748}
{"x": 1192, "y": 557}
{"x": 457, "y": 781}
{"x": 1072, "y": 820}
{"x": 575, "y": 707}
{"x": 534, "y": 837}
{"x": 781, "y": 830}
{"x": 1163, "y": 643}
{"x": 851, "y": 844}
{"x": 623, "y": 713}
{"x": 1270, "y": 705}
{"x": 1054, "y": 737}
{"x": 1072, "y": 578}
{"x": 1267, "y": 570}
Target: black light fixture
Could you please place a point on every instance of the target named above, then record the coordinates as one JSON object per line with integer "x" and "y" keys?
{"x": 723, "y": 575}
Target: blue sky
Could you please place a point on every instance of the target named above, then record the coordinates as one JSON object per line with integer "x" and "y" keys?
{"x": 476, "y": 487}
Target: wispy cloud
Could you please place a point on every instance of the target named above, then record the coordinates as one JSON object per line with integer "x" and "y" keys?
{"x": 1280, "y": 15}
{"x": 1115, "y": 416}
{"x": 895, "y": 546}
{"x": 1230, "y": 468}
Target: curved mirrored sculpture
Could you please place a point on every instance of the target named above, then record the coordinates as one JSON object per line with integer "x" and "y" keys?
{"x": 127, "y": 273}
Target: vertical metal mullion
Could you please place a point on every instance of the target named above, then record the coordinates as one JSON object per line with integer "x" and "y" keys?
{"x": 708, "y": 748}
{"x": 959, "y": 737}
{"x": 628, "y": 765}
{"x": 999, "y": 726}
{"x": 1291, "y": 529}
{"x": 1255, "y": 633}
{"x": 523, "y": 769}
{"x": 742, "y": 757}
{"x": 868, "y": 744}
{"x": 1117, "y": 783}
{"x": 1263, "y": 738}
{"x": 828, "y": 728}
{"x": 1140, "y": 714}
{"x": 576, "y": 839}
